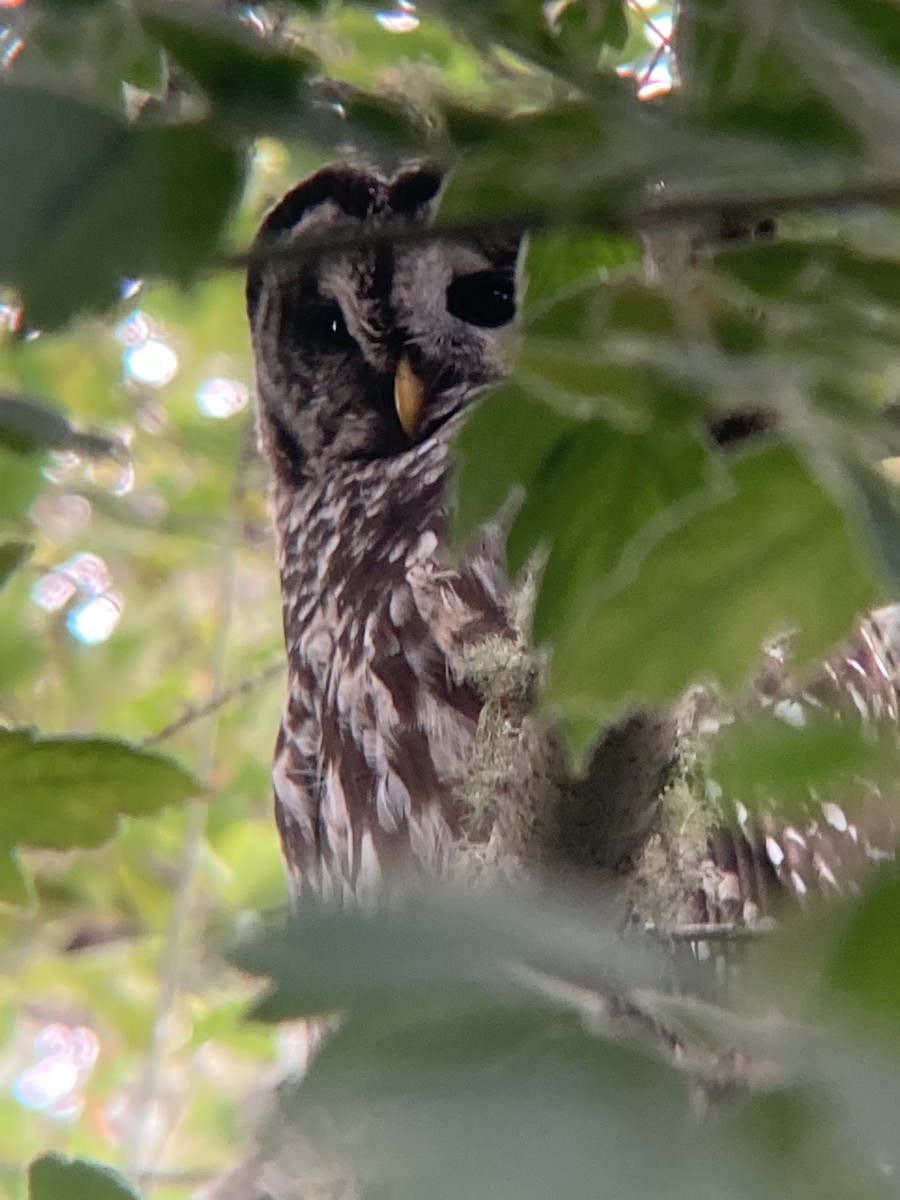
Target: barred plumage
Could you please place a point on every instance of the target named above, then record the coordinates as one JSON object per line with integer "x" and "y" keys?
{"x": 378, "y": 723}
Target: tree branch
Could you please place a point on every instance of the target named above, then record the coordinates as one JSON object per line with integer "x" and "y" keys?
{"x": 659, "y": 211}
{"x": 196, "y": 712}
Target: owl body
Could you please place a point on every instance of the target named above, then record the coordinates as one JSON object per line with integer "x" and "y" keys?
{"x": 378, "y": 725}
{"x": 365, "y": 359}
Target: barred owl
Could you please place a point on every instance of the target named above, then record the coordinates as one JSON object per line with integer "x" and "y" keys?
{"x": 365, "y": 359}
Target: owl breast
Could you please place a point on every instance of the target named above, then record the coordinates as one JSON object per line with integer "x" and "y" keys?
{"x": 378, "y": 725}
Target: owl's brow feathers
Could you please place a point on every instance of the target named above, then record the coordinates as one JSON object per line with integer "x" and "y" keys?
{"x": 270, "y": 246}
{"x": 360, "y": 197}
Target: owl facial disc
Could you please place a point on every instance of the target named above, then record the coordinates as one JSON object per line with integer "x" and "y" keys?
{"x": 409, "y": 397}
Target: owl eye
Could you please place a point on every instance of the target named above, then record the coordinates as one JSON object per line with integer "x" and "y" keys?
{"x": 324, "y": 324}
{"x": 486, "y": 299}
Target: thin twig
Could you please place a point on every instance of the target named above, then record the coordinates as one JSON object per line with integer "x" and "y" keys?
{"x": 727, "y": 931}
{"x": 660, "y": 210}
{"x": 174, "y": 957}
{"x": 185, "y": 1178}
{"x": 196, "y": 712}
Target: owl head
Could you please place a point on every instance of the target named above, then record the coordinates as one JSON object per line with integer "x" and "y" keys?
{"x": 364, "y": 351}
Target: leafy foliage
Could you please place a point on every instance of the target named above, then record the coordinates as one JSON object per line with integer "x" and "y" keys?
{"x": 77, "y": 788}
{"x": 140, "y": 141}
{"x": 470, "y": 1057}
{"x": 54, "y": 1175}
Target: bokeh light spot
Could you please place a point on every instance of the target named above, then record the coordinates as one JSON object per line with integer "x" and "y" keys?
{"x": 10, "y": 317}
{"x": 401, "y": 19}
{"x": 65, "y": 1056}
{"x": 222, "y": 398}
{"x": 53, "y": 592}
{"x": 113, "y": 475}
{"x": 62, "y": 465}
{"x": 61, "y": 515}
{"x": 94, "y": 621}
{"x": 89, "y": 572}
{"x": 134, "y": 329}
{"x": 153, "y": 362}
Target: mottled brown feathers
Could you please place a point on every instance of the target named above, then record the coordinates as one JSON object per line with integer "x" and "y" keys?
{"x": 378, "y": 724}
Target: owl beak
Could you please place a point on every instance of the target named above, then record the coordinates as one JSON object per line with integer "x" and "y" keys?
{"x": 409, "y": 397}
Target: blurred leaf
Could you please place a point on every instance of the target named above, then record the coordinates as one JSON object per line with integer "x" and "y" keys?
{"x": 558, "y": 264}
{"x": 21, "y": 653}
{"x": 596, "y": 470}
{"x": 73, "y": 790}
{"x": 569, "y": 36}
{"x": 20, "y": 483}
{"x": 326, "y": 961}
{"x": 15, "y": 886}
{"x": 879, "y": 507}
{"x": 740, "y": 74}
{"x": 53, "y": 1176}
{"x": 804, "y": 270}
{"x": 770, "y": 270}
{"x": 772, "y": 552}
{"x": 12, "y": 556}
{"x": 250, "y": 80}
{"x": 456, "y": 1101}
{"x": 768, "y": 761}
{"x": 28, "y": 425}
{"x": 585, "y": 27}
{"x": 382, "y": 123}
{"x": 876, "y": 21}
{"x": 73, "y": 6}
{"x": 865, "y": 968}
{"x": 481, "y": 486}
{"x": 559, "y": 158}
{"x": 811, "y": 1148}
{"x": 104, "y": 201}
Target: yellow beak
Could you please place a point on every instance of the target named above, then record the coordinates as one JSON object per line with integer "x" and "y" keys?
{"x": 409, "y": 397}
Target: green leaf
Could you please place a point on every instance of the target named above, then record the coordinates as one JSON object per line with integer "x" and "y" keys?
{"x": 516, "y": 173}
{"x": 71, "y": 791}
{"x": 484, "y": 480}
{"x": 20, "y": 483}
{"x": 769, "y": 762}
{"x": 250, "y": 80}
{"x": 104, "y": 201}
{"x": 807, "y": 271}
{"x": 448, "y": 939}
{"x": 878, "y": 507}
{"x": 592, "y": 473}
{"x": 15, "y": 886}
{"x": 558, "y": 264}
{"x": 54, "y": 1176}
{"x": 21, "y": 651}
{"x": 865, "y": 967}
{"x": 740, "y": 74}
{"x": 771, "y": 552}
{"x": 12, "y": 556}
{"x": 876, "y": 21}
{"x": 454, "y": 1101}
{"x": 28, "y": 425}
{"x": 584, "y": 27}
{"x": 804, "y": 1132}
